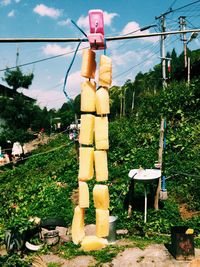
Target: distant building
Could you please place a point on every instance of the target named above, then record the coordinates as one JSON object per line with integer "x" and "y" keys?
{"x": 10, "y": 93}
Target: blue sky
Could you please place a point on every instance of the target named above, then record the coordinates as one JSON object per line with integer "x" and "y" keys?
{"x": 46, "y": 18}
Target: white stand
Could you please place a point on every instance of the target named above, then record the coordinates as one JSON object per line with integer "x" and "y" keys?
{"x": 144, "y": 175}
{"x": 145, "y": 203}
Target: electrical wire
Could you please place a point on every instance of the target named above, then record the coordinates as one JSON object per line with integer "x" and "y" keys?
{"x": 172, "y": 5}
{"x": 41, "y": 60}
{"x": 182, "y": 7}
{"x": 150, "y": 55}
{"x": 136, "y": 65}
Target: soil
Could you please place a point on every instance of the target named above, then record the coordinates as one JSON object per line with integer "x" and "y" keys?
{"x": 80, "y": 261}
{"x": 186, "y": 213}
{"x": 153, "y": 256}
{"x": 156, "y": 255}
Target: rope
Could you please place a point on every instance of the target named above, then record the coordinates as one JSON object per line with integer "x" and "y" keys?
{"x": 46, "y": 152}
{"x": 105, "y": 46}
{"x": 182, "y": 173}
{"x": 67, "y": 73}
{"x": 73, "y": 22}
{"x": 66, "y": 76}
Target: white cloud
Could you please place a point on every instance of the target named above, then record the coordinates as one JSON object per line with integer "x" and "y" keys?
{"x": 54, "y": 97}
{"x": 123, "y": 59}
{"x": 197, "y": 42}
{"x": 17, "y": 1}
{"x": 133, "y": 26}
{"x": 74, "y": 84}
{"x": 5, "y": 2}
{"x": 64, "y": 22}
{"x": 130, "y": 27}
{"x": 83, "y": 21}
{"x": 43, "y": 10}
{"x": 108, "y": 17}
{"x": 46, "y": 98}
{"x": 54, "y": 49}
{"x": 136, "y": 61}
{"x": 11, "y": 13}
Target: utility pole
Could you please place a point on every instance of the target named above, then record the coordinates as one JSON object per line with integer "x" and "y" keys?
{"x": 124, "y": 108}
{"x": 162, "y": 46}
{"x": 188, "y": 74}
{"x": 133, "y": 100}
{"x": 163, "y": 59}
{"x": 17, "y": 56}
{"x": 182, "y": 24}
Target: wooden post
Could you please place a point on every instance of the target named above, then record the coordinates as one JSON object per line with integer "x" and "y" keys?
{"x": 160, "y": 155}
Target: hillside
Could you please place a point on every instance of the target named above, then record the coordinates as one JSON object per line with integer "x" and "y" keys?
{"x": 44, "y": 184}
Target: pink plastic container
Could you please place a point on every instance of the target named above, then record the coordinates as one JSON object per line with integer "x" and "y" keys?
{"x": 96, "y": 21}
{"x": 96, "y": 36}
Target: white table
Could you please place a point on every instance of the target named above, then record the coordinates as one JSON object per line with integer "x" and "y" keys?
{"x": 144, "y": 175}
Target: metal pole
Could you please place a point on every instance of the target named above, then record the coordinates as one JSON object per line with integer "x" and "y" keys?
{"x": 163, "y": 59}
{"x": 133, "y": 101}
{"x": 188, "y": 70}
{"x": 145, "y": 203}
{"x": 182, "y": 23}
{"x": 67, "y": 40}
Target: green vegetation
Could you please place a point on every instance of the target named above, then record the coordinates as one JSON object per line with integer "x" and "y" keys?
{"x": 14, "y": 260}
{"x": 52, "y": 264}
{"x": 16, "y": 79}
{"x": 44, "y": 186}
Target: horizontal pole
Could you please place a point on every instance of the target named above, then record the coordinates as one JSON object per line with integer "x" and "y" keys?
{"x": 42, "y": 40}
{"x": 149, "y": 35}
{"x": 114, "y": 38}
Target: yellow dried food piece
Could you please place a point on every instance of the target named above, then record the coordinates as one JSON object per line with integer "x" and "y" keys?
{"x": 105, "y": 71}
{"x": 102, "y": 101}
{"x": 88, "y": 96}
{"x": 86, "y": 136}
{"x": 86, "y": 163}
{"x": 88, "y": 67}
{"x": 78, "y": 231}
{"x": 101, "y": 165}
{"x": 102, "y": 223}
{"x": 93, "y": 242}
{"x": 101, "y": 133}
{"x": 101, "y": 197}
{"x": 83, "y": 195}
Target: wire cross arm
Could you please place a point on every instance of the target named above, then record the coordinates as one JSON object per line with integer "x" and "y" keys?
{"x": 77, "y": 40}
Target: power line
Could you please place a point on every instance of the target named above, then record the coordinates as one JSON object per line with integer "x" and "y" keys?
{"x": 172, "y": 5}
{"x": 177, "y": 9}
{"x": 174, "y": 10}
{"x": 115, "y": 38}
{"x": 126, "y": 71}
{"x": 150, "y": 54}
{"x": 41, "y": 60}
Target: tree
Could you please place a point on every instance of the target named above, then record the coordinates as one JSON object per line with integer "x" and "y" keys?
{"x": 66, "y": 113}
{"x": 16, "y": 79}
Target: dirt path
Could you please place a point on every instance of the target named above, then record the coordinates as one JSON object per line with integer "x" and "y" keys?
{"x": 153, "y": 256}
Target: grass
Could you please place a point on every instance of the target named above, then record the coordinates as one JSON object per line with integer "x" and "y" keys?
{"x": 70, "y": 251}
{"x": 54, "y": 264}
